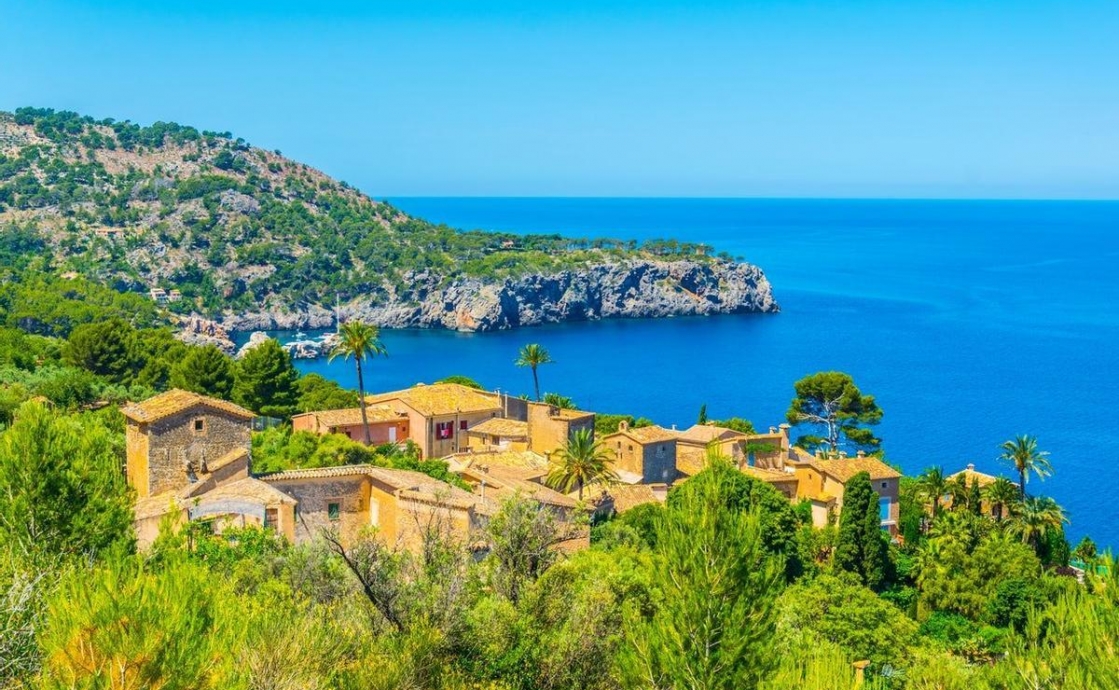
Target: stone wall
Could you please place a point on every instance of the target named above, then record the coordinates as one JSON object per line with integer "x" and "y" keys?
{"x": 315, "y": 495}
{"x": 173, "y": 442}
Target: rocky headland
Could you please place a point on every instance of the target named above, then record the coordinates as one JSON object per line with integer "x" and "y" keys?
{"x": 622, "y": 289}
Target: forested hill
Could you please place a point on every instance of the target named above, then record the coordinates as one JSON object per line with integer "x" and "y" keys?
{"x": 240, "y": 230}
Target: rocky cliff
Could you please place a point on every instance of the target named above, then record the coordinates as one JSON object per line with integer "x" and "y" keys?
{"x": 622, "y": 289}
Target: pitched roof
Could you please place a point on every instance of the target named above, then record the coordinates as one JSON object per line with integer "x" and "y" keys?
{"x": 175, "y": 401}
{"x": 500, "y": 487}
{"x": 627, "y": 497}
{"x": 971, "y": 474}
{"x": 227, "y": 459}
{"x": 249, "y": 489}
{"x": 497, "y": 426}
{"x": 406, "y": 483}
{"x": 770, "y": 476}
{"x": 843, "y": 469}
{"x": 706, "y": 433}
{"x": 439, "y": 399}
{"x": 352, "y": 416}
{"x": 563, "y": 412}
{"x": 647, "y": 434}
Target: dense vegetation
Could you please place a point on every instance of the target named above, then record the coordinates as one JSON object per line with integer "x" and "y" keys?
{"x": 231, "y": 226}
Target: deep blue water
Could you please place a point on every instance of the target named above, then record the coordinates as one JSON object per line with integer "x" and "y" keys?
{"x": 969, "y": 321}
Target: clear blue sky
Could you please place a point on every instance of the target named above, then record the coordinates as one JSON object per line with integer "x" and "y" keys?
{"x": 899, "y": 98}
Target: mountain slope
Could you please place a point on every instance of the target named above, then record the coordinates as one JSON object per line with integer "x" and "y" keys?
{"x": 257, "y": 240}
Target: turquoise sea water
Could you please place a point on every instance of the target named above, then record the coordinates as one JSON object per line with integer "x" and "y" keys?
{"x": 969, "y": 321}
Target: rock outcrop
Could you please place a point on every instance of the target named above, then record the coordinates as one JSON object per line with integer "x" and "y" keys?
{"x": 195, "y": 330}
{"x": 625, "y": 289}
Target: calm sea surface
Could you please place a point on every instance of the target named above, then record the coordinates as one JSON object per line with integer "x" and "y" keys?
{"x": 969, "y": 321}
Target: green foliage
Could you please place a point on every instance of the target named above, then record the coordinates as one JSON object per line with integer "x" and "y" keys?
{"x": 605, "y": 424}
{"x": 358, "y": 340}
{"x": 862, "y": 547}
{"x": 280, "y": 448}
{"x": 830, "y": 400}
{"x": 206, "y": 370}
{"x": 266, "y": 381}
{"x": 581, "y": 461}
{"x": 960, "y": 572}
{"x": 840, "y": 610}
{"x": 462, "y": 381}
{"x": 119, "y": 626}
{"x": 533, "y": 356}
{"x": 777, "y": 519}
{"x": 61, "y": 489}
{"x": 713, "y": 624}
{"x": 739, "y": 424}
{"x": 318, "y": 393}
{"x": 106, "y": 348}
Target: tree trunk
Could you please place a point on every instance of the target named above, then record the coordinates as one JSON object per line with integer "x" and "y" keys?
{"x": 536, "y": 382}
{"x": 1022, "y": 483}
{"x": 361, "y": 402}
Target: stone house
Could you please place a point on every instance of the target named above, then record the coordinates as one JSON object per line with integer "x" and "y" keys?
{"x": 643, "y": 455}
{"x": 822, "y": 480}
{"x": 174, "y": 438}
{"x": 386, "y": 425}
{"x": 398, "y": 504}
{"x": 498, "y": 433}
{"x": 440, "y": 414}
{"x": 187, "y": 456}
{"x": 550, "y": 427}
{"x": 970, "y": 475}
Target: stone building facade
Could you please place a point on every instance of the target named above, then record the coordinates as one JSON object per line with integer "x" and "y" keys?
{"x": 643, "y": 455}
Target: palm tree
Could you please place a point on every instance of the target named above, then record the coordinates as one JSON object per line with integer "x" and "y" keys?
{"x": 532, "y": 356}
{"x": 1002, "y": 494}
{"x": 359, "y": 340}
{"x": 933, "y": 485}
{"x": 1022, "y": 452}
{"x": 1037, "y": 517}
{"x": 582, "y": 461}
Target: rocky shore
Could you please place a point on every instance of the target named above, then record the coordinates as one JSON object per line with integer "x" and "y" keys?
{"x": 624, "y": 289}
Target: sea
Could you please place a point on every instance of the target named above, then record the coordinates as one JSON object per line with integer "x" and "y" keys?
{"x": 969, "y": 321}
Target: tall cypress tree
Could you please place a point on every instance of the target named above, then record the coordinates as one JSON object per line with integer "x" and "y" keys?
{"x": 861, "y": 546}
{"x": 975, "y": 498}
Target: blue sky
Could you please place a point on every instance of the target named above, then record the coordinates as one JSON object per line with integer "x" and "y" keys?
{"x": 868, "y": 99}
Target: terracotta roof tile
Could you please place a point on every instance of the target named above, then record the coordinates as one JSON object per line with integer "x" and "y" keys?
{"x": 249, "y": 489}
{"x": 175, "y": 401}
{"x": 843, "y": 469}
{"x": 771, "y": 476}
{"x": 971, "y": 474}
{"x": 441, "y": 399}
{"x": 629, "y": 497}
{"x": 352, "y": 416}
{"x": 647, "y": 434}
{"x": 497, "y": 426}
{"x": 706, "y": 433}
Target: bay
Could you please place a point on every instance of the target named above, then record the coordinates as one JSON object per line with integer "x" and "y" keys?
{"x": 970, "y": 321}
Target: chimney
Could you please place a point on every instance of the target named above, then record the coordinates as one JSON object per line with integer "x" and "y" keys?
{"x": 623, "y": 426}
{"x": 971, "y": 467}
{"x": 674, "y": 427}
{"x": 773, "y": 430}
{"x": 861, "y": 454}
{"x": 860, "y": 672}
{"x": 819, "y": 454}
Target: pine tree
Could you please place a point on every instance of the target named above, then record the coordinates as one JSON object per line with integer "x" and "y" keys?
{"x": 266, "y": 381}
{"x": 206, "y": 370}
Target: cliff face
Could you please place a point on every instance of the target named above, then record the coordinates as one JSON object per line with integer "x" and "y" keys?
{"x": 625, "y": 289}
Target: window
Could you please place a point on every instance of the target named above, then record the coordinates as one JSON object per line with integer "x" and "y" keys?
{"x": 462, "y": 425}
{"x": 334, "y": 511}
{"x": 271, "y": 518}
{"x": 444, "y": 430}
{"x": 883, "y": 485}
{"x": 199, "y": 426}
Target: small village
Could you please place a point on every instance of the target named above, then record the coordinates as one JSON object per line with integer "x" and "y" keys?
{"x": 189, "y": 457}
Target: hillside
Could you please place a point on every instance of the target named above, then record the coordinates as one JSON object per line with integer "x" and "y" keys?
{"x": 253, "y": 239}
